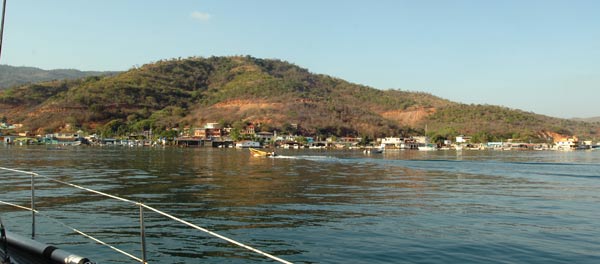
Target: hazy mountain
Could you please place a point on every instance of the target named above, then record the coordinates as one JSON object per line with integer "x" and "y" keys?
{"x": 589, "y": 119}
{"x": 269, "y": 93}
{"x": 12, "y": 76}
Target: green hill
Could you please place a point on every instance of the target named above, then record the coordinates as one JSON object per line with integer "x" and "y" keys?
{"x": 269, "y": 93}
{"x": 589, "y": 119}
{"x": 13, "y": 76}
{"x": 495, "y": 123}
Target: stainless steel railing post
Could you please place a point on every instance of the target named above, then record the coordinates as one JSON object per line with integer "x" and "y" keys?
{"x": 2, "y": 24}
{"x": 142, "y": 233}
{"x": 32, "y": 205}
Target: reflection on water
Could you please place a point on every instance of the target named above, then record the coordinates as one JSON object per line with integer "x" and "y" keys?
{"x": 319, "y": 206}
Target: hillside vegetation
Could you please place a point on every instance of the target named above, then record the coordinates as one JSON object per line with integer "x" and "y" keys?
{"x": 495, "y": 123}
{"x": 272, "y": 94}
{"x": 589, "y": 119}
{"x": 14, "y": 76}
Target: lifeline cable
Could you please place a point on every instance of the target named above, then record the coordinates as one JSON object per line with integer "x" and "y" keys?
{"x": 159, "y": 212}
{"x": 74, "y": 230}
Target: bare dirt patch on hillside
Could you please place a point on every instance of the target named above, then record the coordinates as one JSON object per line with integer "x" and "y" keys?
{"x": 409, "y": 117}
{"x": 246, "y": 105}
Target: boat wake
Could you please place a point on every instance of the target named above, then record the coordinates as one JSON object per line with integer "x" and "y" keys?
{"x": 309, "y": 157}
{"x": 475, "y": 167}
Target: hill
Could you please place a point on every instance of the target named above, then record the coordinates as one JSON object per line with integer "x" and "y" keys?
{"x": 495, "y": 123}
{"x": 13, "y": 76}
{"x": 589, "y": 119}
{"x": 269, "y": 93}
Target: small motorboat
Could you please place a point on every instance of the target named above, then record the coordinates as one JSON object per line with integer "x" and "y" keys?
{"x": 373, "y": 151}
{"x": 261, "y": 153}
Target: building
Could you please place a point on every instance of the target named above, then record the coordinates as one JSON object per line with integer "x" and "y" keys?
{"x": 421, "y": 139}
{"x": 265, "y": 136}
{"x": 249, "y": 130}
{"x": 566, "y": 143}
{"x": 391, "y": 142}
{"x": 247, "y": 144}
{"x": 26, "y": 134}
{"x": 401, "y": 143}
{"x": 463, "y": 139}
{"x": 209, "y": 131}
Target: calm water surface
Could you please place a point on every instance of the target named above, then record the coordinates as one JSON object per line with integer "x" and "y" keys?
{"x": 317, "y": 206}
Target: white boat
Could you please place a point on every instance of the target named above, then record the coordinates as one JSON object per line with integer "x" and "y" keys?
{"x": 373, "y": 151}
{"x": 427, "y": 147}
{"x": 378, "y": 150}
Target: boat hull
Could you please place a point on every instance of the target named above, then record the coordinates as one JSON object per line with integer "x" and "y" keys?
{"x": 23, "y": 251}
{"x": 261, "y": 153}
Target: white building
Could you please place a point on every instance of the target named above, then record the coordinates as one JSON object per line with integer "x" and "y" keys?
{"x": 463, "y": 139}
{"x": 392, "y": 141}
{"x": 421, "y": 139}
{"x": 212, "y": 126}
{"x": 565, "y": 145}
{"x": 247, "y": 144}
{"x": 266, "y": 136}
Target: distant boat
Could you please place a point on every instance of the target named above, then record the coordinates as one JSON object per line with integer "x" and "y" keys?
{"x": 375, "y": 150}
{"x": 427, "y": 147}
{"x": 261, "y": 153}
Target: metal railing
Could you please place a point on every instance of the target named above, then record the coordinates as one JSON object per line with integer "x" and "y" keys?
{"x": 141, "y": 206}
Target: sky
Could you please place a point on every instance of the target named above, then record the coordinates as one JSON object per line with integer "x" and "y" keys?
{"x": 537, "y": 56}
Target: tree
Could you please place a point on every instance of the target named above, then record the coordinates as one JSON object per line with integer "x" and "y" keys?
{"x": 171, "y": 134}
{"x": 239, "y": 125}
{"x": 235, "y": 134}
{"x": 481, "y": 137}
{"x": 365, "y": 140}
{"x": 288, "y": 128}
{"x": 143, "y": 125}
{"x": 113, "y": 128}
{"x": 301, "y": 139}
{"x": 437, "y": 138}
{"x": 72, "y": 121}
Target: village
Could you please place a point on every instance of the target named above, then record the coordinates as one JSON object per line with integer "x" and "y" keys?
{"x": 214, "y": 135}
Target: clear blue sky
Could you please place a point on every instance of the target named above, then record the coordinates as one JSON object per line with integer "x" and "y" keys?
{"x": 540, "y": 56}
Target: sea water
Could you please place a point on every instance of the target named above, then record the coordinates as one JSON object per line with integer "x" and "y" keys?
{"x": 314, "y": 206}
